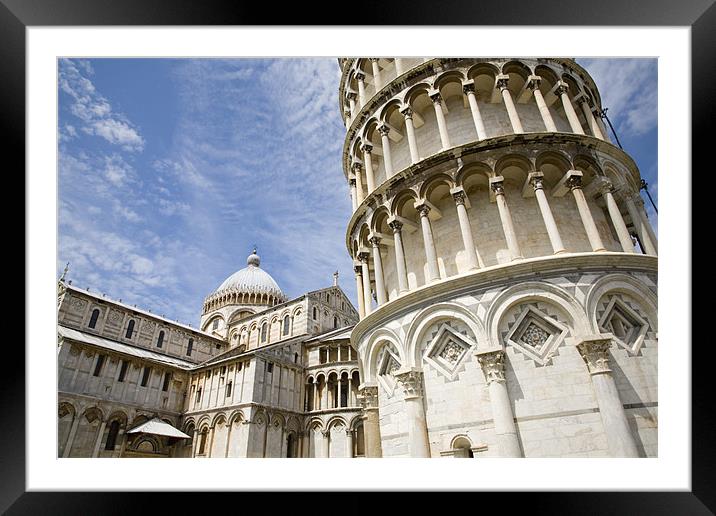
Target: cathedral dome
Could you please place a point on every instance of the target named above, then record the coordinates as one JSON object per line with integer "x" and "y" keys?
{"x": 251, "y": 280}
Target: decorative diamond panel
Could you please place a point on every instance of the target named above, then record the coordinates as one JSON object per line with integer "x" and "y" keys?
{"x": 447, "y": 350}
{"x": 627, "y": 326}
{"x": 388, "y": 363}
{"x": 536, "y": 334}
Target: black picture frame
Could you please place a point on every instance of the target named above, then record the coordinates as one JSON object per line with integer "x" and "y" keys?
{"x": 700, "y": 15}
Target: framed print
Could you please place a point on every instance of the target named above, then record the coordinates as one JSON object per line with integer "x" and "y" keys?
{"x": 332, "y": 256}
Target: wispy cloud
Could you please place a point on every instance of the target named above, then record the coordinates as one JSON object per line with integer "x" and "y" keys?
{"x": 93, "y": 110}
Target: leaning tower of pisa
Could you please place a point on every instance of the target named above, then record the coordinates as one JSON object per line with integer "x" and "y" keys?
{"x": 505, "y": 266}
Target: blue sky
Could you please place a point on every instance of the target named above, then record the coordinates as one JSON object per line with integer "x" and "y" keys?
{"x": 170, "y": 170}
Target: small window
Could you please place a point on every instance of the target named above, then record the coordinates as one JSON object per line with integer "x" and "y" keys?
{"x": 98, "y": 365}
{"x": 328, "y": 298}
{"x": 167, "y": 379}
{"x": 264, "y": 329}
{"x": 228, "y": 390}
{"x": 218, "y": 346}
{"x": 286, "y": 325}
{"x": 239, "y": 366}
{"x": 223, "y": 370}
{"x": 343, "y": 305}
{"x": 112, "y": 436}
{"x": 215, "y": 324}
{"x": 198, "y": 395}
{"x": 202, "y": 441}
{"x": 270, "y": 367}
{"x": 295, "y": 358}
{"x": 145, "y": 375}
{"x": 189, "y": 347}
{"x": 315, "y": 313}
{"x": 93, "y": 318}
{"x": 130, "y": 329}
{"x": 335, "y": 322}
{"x": 160, "y": 339}
{"x": 123, "y": 371}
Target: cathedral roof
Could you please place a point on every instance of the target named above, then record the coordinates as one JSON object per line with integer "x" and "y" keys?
{"x": 252, "y": 279}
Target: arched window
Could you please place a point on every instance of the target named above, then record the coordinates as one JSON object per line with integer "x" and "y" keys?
{"x": 228, "y": 390}
{"x": 167, "y": 379}
{"x": 112, "y": 436}
{"x": 315, "y": 313}
{"x": 93, "y": 318}
{"x": 189, "y": 347}
{"x": 145, "y": 375}
{"x": 215, "y": 325}
{"x": 130, "y": 329}
{"x": 202, "y": 441}
{"x": 286, "y": 325}
{"x": 198, "y": 395}
{"x": 264, "y": 328}
{"x": 335, "y": 321}
{"x": 160, "y": 339}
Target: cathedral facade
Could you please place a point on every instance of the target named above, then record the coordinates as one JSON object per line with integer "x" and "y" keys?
{"x": 507, "y": 296}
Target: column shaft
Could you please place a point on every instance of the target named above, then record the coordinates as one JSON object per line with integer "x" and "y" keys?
{"x": 377, "y": 81}
{"x": 349, "y": 444}
{"x": 368, "y": 159}
{"x": 510, "y": 105}
{"x": 476, "y": 116}
{"x": 361, "y": 89}
{"x": 98, "y": 442}
{"x": 378, "y": 266}
{"x": 325, "y": 445}
{"x": 368, "y": 398}
{"x": 429, "y": 244}
{"x": 359, "y": 291}
{"x": 358, "y": 171}
{"x": 544, "y": 111}
{"x": 595, "y": 352}
{"x": 640, "y": 226}
{"x": 508, "y": 227}
{"x": 418, "y": 443}
{"x": 354, "y": 195}
{"x": 618, "y": 221}
{"x": 367, "y": 301}
{"x": 554, "y": 238}
{"x": 398, "y": 66}
{"x": 442, "y": 124}
{"x": 586, "y": 215}
{"x": 71, "y": 437}
{"x": 399, "y": 256}
{"x": 591, "y": 121}
{"x": 569, "y": 110}
{"x": 466, "y": 231}
{"x": 385, "y": 142}
{"x": 412, "y": 142}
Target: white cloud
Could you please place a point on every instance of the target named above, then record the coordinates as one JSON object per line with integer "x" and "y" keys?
{"x": 94, "y": 110}
{"x": 628, "y": 88}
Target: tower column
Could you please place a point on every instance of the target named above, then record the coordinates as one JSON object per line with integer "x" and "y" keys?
{"x": 536, "y": 180}
{"x": 617, "y": 220}
{"x": 98, "y": 442}
{"x": 71, "y": 437}
{"x": 493, "y": 367}
{"x": 508, "y": 228}
{"x": 378, "y": 266}
{"x": 429, "y": 244}
{"x": 561, "y": 92}
{"x": 367, "y": 148}
{"x": 410, "y": 129}
{"x": 354, "y": 193}
{"x": 363, "y": 258}
{"x": 509, "y": 103}
{"x": 534, "y": 83}
{"x": 594, "y": 349}
{"x": 377, "y": 81}
{"x": 358, "y": 172}
{"x": 411, "y": 382}
{"x": 349, "y": 444}
{"x": 398, "y": 66}
{"x": 574, "y": 183}
{"x": 325, "y": 450}
{"x": 639, "y": 224}
{"x": 358, "y": 269}
{"x": 397, "y": 227}
{"x": 440, "y": 117}
{"x": 351, "y": 96}
{"x": 642, "y": 212}
{"x": 360, "y": 77}
{"x": 368, "y": 398}
{"x": 468, "y": 89}
{"x": 465, "y": 229}
{"x": 385, "y": 142}
{"x": 589, "y": 117}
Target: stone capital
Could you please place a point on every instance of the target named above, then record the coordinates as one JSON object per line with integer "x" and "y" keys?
{"x": 358, "y": 269}
{"x": 395, "y": 225}
{"x": 374, "y": 241}
{"x": 326, "y": 434}
{"x": 351, "y": 95}
{"x": 383, "y": 129}
{"x": 357, "y": 167}
{"x": 468, "y": 87}
{"x": 574, "y": 182}
{"x": 498, "y": 187}
{"x": 501, "y": 81}
{"x": 363, "y": 256}
{"x": 407, "y": 112}
{"x": 367, "y": 148}
{"x": 423, "y": 209}
{"x": 562, "y": 87}
{"x": 352, "y": 182}
{"x": 533, "y": 82}
{"x": 374, "y": 59}
{"x": 435, "y": 97}
{"x": 360, "y": 76}
{"x": 594, "y": 350}
{"x": 605, "y": 186}
{"x": 368, "y": 397}
{"x": 492, "y": 363}
{"x": 459, "y": 198}
{"x": 536, "y": 179}
{"x": 411, "y": 381}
